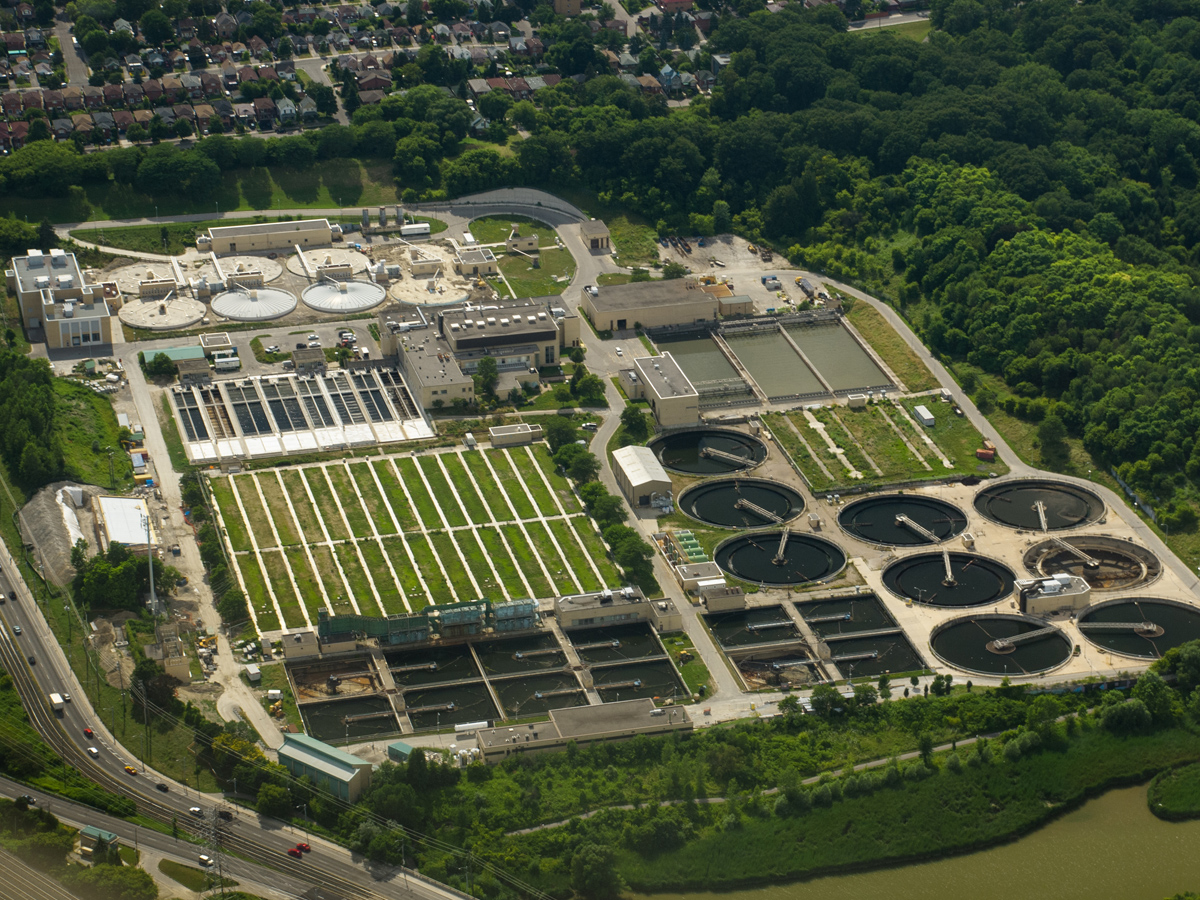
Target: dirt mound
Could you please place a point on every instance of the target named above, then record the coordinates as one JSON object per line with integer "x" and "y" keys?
{"x": 45, "y": 530}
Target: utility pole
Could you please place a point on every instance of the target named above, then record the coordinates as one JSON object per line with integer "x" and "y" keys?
{"x": 154, "y": 611}
{"x": 146, "y": 726}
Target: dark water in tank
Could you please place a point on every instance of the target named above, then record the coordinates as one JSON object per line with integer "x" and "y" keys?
{"x": 716, "y": 502}
{"x": 657, "y": 679}
{"x": 977, "y": 579}
{"x": 1013, "y": 504}
{"x": 499, "y": 657}
{"x": 896, "y": 654}
{"x": 1180, "y": 624}
{"x": 730, "y": 628}
{"x": 874, "y": 519}
{"x": 472, "y": 703}
{"x": 326, "y": 721}
{"x": 636, "y": 641}
{"x": 964, "y": 644}
{"x": 682, "y": 451}
{"x": 453, "y": 663}
{"x": 805, "y": 558}
{"x": 519, "y": 695}
{"x": 866, "y": 613}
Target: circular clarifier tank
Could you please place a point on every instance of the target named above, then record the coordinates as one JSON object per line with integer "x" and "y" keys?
{"x": 1145, "y": 627}
{"x": 971, "y": 580}
{"x": 741, "y": 503}
{"x": 1015, "y": 504}
{"x": 902, "y": 520}
{"x": 1000, "y": 645}
{"x": 709, "y": 451}
{"x": 343, "y": 297}
{"x": 768, "y": 558}
{"x": 1107, "y": 563}
{"x": 254, "y": 304}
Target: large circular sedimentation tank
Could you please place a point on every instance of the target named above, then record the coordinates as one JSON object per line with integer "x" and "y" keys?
{"x": 1111, "y": 564}
{"x": 760, "y": 558}
{"x": 981, "y": 644}
{"x": 343, "y": 296}
{"x": 877, "y": 519}
{"x": 1146, "y": 627}
{"x": 707, "y": 451}
{"x": 975, "y": 580}
{"x": 1014, "y": 503}
{"x": 254, "y": 304}
{"x": 741, "y": 502}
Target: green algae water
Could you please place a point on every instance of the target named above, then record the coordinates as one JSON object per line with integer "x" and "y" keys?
{"x": 1111, "y": 848}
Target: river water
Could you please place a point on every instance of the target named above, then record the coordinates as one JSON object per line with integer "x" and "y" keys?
{"x": 1111, "y": 848}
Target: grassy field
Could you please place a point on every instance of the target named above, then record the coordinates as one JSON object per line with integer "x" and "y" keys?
{"x": 556, "y": 269}
{"x": 328, "y": 184}
{"x": 469, "y": 559}
{"x": 956, "y": 437}
{"x": 632, "y": 236}
{"x": 913, "y": 31}
{"x": 892, "y": 349}
{"x": 170, "y": 433}
{"x": 695, "y": 673}
{"x": 1175, "y": 795}
{"x": 274, "y": 677}
{"x": 800, "y": 456}
{"x": 82, "y": 417}
{"x": 193, "y": 879}
{"x": 495, "y": 229}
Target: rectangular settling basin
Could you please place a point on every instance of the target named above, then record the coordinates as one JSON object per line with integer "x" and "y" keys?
{"x": 896, "y": 654}
{"x": 708, "y": 369}
{"x": 536, "y": 653}
{"x": 839, "y": 358}
{"x": 453, "y": 664}
{"x": 657, "y": 680}
{"x": 747, "y": 627}
{"x": 430, "y": 707}
{"x": 866, "y": 613}
{"x": 772, "y": 362}
{"x": 519, "y": 695}
{"x": 595, "y": 645}
{"x": 368, "y": 716}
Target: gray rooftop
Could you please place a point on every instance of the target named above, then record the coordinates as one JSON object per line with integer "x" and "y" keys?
{"x": 662, "y": 292}
{"x": 228, "y": 231}
{"x": 423, "y": 360}
{"x": 625, "y": 715}
{"x": 47, "y": 266}
{"x": 662, "y": 376}
{"x": 593, "y": 228}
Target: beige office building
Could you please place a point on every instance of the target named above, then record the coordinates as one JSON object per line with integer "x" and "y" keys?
{"x": 56, "y": 303}
{"x": 656, "y": 304}
{"x": 267, "y": 236}
{"x": 662, "y": 383}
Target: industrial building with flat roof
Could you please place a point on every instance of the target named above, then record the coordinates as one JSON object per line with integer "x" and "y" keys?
{"x": 57, "y": 303}
{"x": 342, "y": 774}
{"x": 660, "y": 381}
{"x": 640, "y": 475}
{"x": 614, "y": 607}
{"x": 658, "y": 304}
{"x": 266, "y": 236}
{"x": 123, "y": 520}
{"x": 583, "y": 725}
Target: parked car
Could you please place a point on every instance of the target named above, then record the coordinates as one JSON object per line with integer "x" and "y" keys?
{"x": 300, "y": 345}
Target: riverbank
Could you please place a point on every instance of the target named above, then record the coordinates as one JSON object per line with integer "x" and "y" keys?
{"x": 898, "y": 815}
{"x": 1175, "y": 795}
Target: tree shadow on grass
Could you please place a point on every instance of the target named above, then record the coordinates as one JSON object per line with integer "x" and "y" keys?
{"x": 256, "y": 188}
{"x": 301, "y": 186}
{"x": 343, "y": 180}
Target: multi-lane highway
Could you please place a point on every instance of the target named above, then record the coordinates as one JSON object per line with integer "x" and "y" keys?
{"x": 262, "y": 841}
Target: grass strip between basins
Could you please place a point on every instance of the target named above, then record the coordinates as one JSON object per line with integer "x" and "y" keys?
{"x": 288, "y": 604}
{"x": 356, "y": 516}
{"x": 278, "y": 508}
{"x": 235, "y": 525}
{"x": 492, "y": 495}
{"x": 306, "y": 581}
{"x": 326, "y": 508}
{"x": 594, "y": 545}
{"x": 422, "y": 552}
{"x": 473, "y": 553}
{"x": 466, "y": 490}
{"x": 456, "y": 570}
{"x": 441, "y": 491}
{"x": 513, "y": 489}
{"x": 361, "y": 473}
{"x": 310, "y": 526}
{"x": 420, "y": 496}
{"x": 493, "y": 545}
{"x": 357, "y": 579}
{"x": 528, "y": 562}
{"x": 555, "y": 564}
{"x": 256, "y": 593}
{"x": 560, "y": 484}
{"x": 260, "y": 525}
{"x": 395, "y": 495}
{"x": 389, "y": 594}
{"x": 575, "y": 555}
{"x": 322, "y": 557}
{"x": 531, "y": 483}
{"x": 406, "y": 572}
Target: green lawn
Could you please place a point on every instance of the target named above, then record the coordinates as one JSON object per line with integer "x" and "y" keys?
{"x": 82, "y": 417}
{"x": 389, "y": 595}
{"x": 323, "y": 496}
{"x": 869, "y": 425}
{"x": 289, "y": 604}
{"x": 586, "y": 529}
{"x": 494, "y": 547}
{"x": 395, "y": 495}
{"x": 405, "y": 571}
{"x": 576, "y": 558}
{"x": 633, "y": 237}
{"x": 527, "y": 561}
{"x": 513, "y": 488}
{"x": 466, "y": 490}
{"x": 327, "y": 184}
{"x": 441, "y": 490}
{"x": 256, "y": 515}
{"x": 355, "y": 515}
{"x": 555, "y": 565}
{"x": 420, "y": 495}
{"x": 957, "y": 438}
{"x": 256, "y": 593}
{"x": 560, "y": 485}
{"x": 356, "y": 578}
{"x": 477, "y": 562}
{"x": 487, "y": 482}
{"x": 170, "y": 433}
{"x": 310, "y": 527}
{"x": 794, "y": 447}
{"x": 307, "y": 582}
{"x": 235, "y": 525}
{"x": 439, "y": 589}
{"x": 495, "y": 229}
{"x": 443, "y": 544}
{"x": 913, "y": 31}
{"x": 193, "y": 879}
{"x": 372, "y": 498}
{"x": 274, "y": 677}
{"x": 694, "y": 672}
{"x": 280, "y": 514}
{"x": 556, "y": 269}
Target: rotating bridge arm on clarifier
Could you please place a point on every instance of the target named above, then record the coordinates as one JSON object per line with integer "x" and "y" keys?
{"x": 780, "y": 559}
{"x": 1006, "y": 642}
{"x": 1088, "y": 561}
{"x": 1137, "y": 627}
{"x": 743, "y": 503}
{"x": 950, "y": 580}
{"x": 710, "y": 453}
{"x": 304, "y": 262}
{"x": 217, "y": 265}
{"x": 905, "y": 522}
